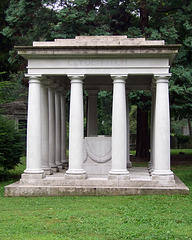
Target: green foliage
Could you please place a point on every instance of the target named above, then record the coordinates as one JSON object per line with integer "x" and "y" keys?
{"x": 177, "y": 125}
{"x": 4, "y": 44}
{"x": 28, "y": 21}
{"x": 13, "y": 89}
{"x": 6, "y": 91}
{"x": 79, "y": 17}
{"x": 10, "y": 146}
{"x": 181, "y": 139}
{"x": 141, "y": 99}
{"x": 104, "y": 112}
{"x": 133, "y": 119}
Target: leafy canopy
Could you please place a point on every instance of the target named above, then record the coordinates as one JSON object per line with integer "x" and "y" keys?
{"x": 171, "y": 20}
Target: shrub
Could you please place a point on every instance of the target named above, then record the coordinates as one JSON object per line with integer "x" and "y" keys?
{"x": 11, "y": 148}
{"x": 182, "y": 139}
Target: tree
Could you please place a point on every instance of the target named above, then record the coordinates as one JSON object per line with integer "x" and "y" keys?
{"x": 28, "y": 21}
{"x": 104, "y": 113}
{"x": 10, "y": 145}
{"x": 4, "y": 44}
{"x": 169, "y": 20}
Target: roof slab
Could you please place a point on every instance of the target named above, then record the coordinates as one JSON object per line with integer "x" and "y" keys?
{"x": 98, "y": 57}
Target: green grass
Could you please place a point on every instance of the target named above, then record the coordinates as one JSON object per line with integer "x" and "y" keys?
{"x": 173, "y": 151}
{"x": 97, "y": 218}
{"x": 177, "y": 151}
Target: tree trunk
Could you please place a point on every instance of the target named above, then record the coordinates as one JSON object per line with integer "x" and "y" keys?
{"x": 144, "y": 16}
{"x": 142, "y": 144}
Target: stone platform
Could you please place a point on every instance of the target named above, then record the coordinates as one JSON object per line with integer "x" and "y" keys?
{"x": 140, "y": 183}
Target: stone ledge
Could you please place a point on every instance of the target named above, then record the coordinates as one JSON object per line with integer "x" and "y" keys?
{"x": 17, "y": 189}
{"x": 32, "y": 191}
{"x": 101, "y": 41}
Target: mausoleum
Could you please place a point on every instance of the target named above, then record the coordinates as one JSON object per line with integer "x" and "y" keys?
{"x": 97, "y": 165}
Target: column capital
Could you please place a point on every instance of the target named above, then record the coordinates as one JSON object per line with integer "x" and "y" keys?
{"x": 34, "y": 78}
{"x": 59, "y": 89}
{"x": 119, "y": 78}
{"x": 162, "y": 78}
{"x": 53, "y": 86}
{"x": 38, "y": 76}
{"x": 46, "y": 82}
{"x": 76, "y": 78}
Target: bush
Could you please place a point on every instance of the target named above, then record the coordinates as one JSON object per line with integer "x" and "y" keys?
{"x": 11, "y": 148}
{"x": 182, "y": 139}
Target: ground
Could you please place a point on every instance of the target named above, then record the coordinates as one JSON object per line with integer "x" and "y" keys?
{"x": 109, "y": 218}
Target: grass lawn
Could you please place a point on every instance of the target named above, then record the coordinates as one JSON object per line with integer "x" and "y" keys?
{"x": 173, "y": 151}
{"x": 131, "y": 217}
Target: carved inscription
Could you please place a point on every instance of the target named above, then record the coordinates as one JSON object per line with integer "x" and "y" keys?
{"x": 98, "y": 62}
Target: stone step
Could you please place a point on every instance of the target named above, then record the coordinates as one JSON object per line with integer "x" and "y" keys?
{"x": 15, "y": 190}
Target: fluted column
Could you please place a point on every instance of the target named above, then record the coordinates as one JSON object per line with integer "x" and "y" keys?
{"x": 51, "y": 100}
{"x": 34, "y": 128}
{"x": 63, "y": 128}
{"x": 129, "y": 163}
{"x": 58, "y": 129}
{"x": 119, "y": 130}
{"x": 45, "y": 129}
{"x": 162, "y": 131}
{"x": 92, "y": 125}
{"x": 76, "y": 129}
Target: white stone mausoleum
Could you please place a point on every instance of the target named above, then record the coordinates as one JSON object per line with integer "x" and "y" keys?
{"x": 97, "y": 165}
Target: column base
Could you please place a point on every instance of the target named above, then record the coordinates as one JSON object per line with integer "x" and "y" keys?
{"x": 165, "y": 177}
{"x": 75, "y": 174}
{"x": 55, "y": 169}
{"x": 33, "y": 171}
{"x": 31, "y": 178}
{"x": 60, "y": 167}
{"x": 129, "y": 164}
{"x": 48, "y": 171}
{"x": 151, "y": 171}
{"x": 65, "y": 163}
{"x": 150, "y": 164}
{"x": 28, "y": 176}
{"x": 115, "y": 174}
{"x": 150, "y": 168}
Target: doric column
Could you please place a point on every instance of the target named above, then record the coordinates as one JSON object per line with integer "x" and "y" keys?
{"x": 92, "y": 126}
{"x": 129, "y": 163}
{"x": 45, "y": 129}
{"x": 119, "y": 130}
{"x": 51, "y": 98}
{"x": 76, "y": 129}
{"x": 34, "y": 128}
{"x": 63, "y": 128}
{"x": 58, "y": 129}
{"x": 162, "y": 131}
